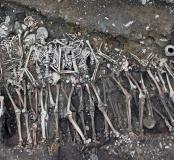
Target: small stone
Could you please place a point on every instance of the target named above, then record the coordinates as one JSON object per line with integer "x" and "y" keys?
{"x": 160, "y": 144}
{"x": 113, "y": 24}
{"x": 156, "y": 16}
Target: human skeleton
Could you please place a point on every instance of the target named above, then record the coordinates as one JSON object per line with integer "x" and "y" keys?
{"x": 41, "y": 66}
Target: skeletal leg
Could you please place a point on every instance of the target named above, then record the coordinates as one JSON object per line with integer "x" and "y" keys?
{"x": 163, "y": 82}
{"x": 1, "y": 105}
{"x": 91, "y": 110}
{"x": 161, "y": 95}
{"x": 65, "y": 94}
{"x": 81, "y": 110}
{"x": 18, "y": 116}
{"x": 76, "y": 137}
{"x": 44, "y": 117}
{"x": 171, "y": 91}
{"x": 141, "y": 100}
{"x": 26, "y": 114}
{"x": 50, "y": 96}
{"x": 128, "y": 103}
{"x": 36, "y": 99}
{"x": 149, "y": 122}
{"x": 46, "y": 109}
{"x": 96, "y": 61}
{"x": 101, "y": 107}
{"x": 133, "y": 90}
{"x": 25, "y": 65}
{"x": 56, "y": 111}
{"x": 169, "y": 70}
{"x": 95, "y": 71}
{"x": 164, "y": 118}
{"x": 34, "y": 133}
{"x": 69, "y": 114}
{"x": 105, "y": 102}
{"x": 114, "y": 107}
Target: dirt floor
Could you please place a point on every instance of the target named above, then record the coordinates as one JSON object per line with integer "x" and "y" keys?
{"x": 120, "y": 24}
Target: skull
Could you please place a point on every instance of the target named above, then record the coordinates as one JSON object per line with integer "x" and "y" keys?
{"x": 30, "y": 39}
{"x": 29, "y": 21}
{"x": 42, "y": 33}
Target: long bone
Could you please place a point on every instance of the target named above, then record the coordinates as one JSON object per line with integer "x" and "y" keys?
{"x": 47, "y": 63}
{"x": 141, "y": 100}
{"x": 1, "y": 106}
{"x": 30, "y": 76}
{"x": 66, "y": 96}
{"x": 34, "y": 133}
{"x": 36, "y": 99}
{"x": 44, "y": 117}
{"x": 19, "y": 31}
{"x": 161, "y": 95}
{"x": 106, "y": 131}
{"x": 18, "y": 116}
{"x": 26, "y": 64}
{"x": 163, "y": 63}
{"x": 149, "y": 122}
{"x": 115, "y": 108}
{"x": 91, "y": 111}
{"x": 74, "y": 62}
{"x": 46, "y": 109}
{"x": 96, "y": 61}
{"x": 128, "y": 104}
{"x": 81, "y": 110}
{"x": 162, "y": 81}
{"x": 164, "y": 118}
{"x": 50, "y": 96}
{"x": 56, "y": 111}
{"x": 171, "y": 91}
{"x": 25, "y": 112}
{"x": 101, "y": 107}
{"x": 34, "y": 114}
{"x": 169, "y": 70}
{"x": 106, "y": 56}
{"x": 133, "y": 90}
{"x": 69, "y": 115}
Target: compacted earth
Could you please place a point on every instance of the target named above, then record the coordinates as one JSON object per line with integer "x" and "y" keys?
{"x": 120, "y": 24}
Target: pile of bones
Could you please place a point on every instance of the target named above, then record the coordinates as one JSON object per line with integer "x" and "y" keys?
{"x": 41, "y": 76}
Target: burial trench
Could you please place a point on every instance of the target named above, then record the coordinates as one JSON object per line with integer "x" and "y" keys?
{"x": 60, "y": 26}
